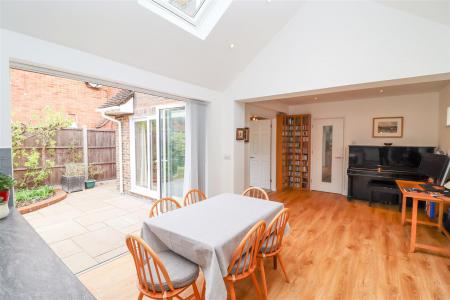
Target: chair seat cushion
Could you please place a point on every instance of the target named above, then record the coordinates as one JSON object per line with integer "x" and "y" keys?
{"x": 269, "y": 244}
{"x": 182, "y": 272}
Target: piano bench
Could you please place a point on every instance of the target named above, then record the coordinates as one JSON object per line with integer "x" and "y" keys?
{"x": 386, "y": 188}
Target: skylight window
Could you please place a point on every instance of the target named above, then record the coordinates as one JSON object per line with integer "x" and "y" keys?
{"x": 197, "y": 17}
{"x": 187, "y": 7}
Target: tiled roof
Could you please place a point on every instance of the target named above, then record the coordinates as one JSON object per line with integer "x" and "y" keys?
{"x": 120, "y": 98}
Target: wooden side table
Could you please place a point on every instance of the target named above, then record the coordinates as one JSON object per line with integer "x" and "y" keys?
{"x": 403, "y": 185}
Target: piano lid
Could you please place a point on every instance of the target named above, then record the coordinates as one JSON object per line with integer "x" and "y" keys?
{"x": 398, "y": 158}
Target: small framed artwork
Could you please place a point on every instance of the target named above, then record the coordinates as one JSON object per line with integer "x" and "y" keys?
{"x": 246, "y": 134}
{"x": 240, "y": 134}
{"x": 389, "y": 127}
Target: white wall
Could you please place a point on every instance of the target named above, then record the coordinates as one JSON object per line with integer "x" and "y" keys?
{"x": 420, "y": 113}
{"x": 330, "y": 44}
{"x": 444, "y": 130}
{"x": 22, "y": 48}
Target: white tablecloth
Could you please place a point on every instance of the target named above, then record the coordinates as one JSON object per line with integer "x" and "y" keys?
{"x": 208, "y": 232}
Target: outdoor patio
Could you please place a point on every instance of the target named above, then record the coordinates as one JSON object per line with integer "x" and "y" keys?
{"x": 89, "y": 227}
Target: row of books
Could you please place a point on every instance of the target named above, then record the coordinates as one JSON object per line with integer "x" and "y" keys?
{"x": 303, "y": 166}
{"x": 296, "y": 121}
{"x": 296, "y": 158}
{"x": 298, "y": 174}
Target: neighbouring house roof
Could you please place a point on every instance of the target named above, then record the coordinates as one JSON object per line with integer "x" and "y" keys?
{"x": 118, "y": 99}
{"x": 102, "y": 123}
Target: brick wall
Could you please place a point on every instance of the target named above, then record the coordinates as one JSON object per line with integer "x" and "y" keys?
{"x": 31, "y": 92}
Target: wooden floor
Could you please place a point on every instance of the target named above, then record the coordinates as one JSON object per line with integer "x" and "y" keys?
{"x": 336, "y": 249}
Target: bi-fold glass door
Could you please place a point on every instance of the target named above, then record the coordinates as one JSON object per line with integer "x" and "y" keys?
{"x": 145, "y": 176}
{"x": 157, "y": 153}
{"x": 172, "y": 151}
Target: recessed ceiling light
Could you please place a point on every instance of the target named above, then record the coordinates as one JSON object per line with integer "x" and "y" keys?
{"x": 316, "y": 98}
{"x": 381, "y": 91}
{"x": 231, "y": 46}
{"x": 268, "y": 0}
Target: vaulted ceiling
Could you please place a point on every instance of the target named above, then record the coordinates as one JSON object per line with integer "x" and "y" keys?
{"x": 126, "y": 32}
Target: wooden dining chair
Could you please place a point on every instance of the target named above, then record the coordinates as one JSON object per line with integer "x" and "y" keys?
{"x": 256, "y": 192}
{"x": 271, "y": 245}
{"x": 157, "y": 281}
{"x": 162, "y": 206}
{"x": 244, "y": 259}
{"x": 194, "y": 196}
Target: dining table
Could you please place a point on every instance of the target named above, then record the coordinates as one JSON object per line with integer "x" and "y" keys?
{"x": 208, "y": 232}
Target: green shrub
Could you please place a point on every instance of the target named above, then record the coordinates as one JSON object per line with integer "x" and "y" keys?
{"x": 42, "y": 192}
{"x": 6, "y": 182}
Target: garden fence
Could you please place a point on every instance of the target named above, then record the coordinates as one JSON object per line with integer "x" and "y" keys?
{"x": 89, "y": 146}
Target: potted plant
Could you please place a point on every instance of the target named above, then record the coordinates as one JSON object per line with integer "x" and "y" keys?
{"x": 73, "y": 178}
{"x": 93, "y": 172}
{"x": 6, "y": 184}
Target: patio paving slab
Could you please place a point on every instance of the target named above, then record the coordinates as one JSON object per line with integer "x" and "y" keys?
{"x": 89, "y": 227}
{"x": 79, "y": 262}
{"x": 98, "y": 242}
{"x": 65, "y": 248}
{"x": 60, "y": 231}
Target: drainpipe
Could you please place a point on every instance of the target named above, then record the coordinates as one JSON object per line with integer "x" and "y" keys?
{"x": 120, "y": 149}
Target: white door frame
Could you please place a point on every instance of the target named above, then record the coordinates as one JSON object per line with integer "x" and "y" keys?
{"x": 134, "y": 188}
{"x": 315, "y": 152}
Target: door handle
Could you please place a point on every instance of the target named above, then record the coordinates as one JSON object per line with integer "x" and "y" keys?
{"x": 339, "y": 157}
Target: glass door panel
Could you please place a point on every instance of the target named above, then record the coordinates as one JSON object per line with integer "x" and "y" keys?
{"x": 141, "y": 154}
{"x": 172, "y": 145}
{"x": 146, "y": 157}
{"x": 327, "y": 153}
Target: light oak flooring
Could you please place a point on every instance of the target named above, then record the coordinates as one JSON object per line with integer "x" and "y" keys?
{"x": 336, "y": 250}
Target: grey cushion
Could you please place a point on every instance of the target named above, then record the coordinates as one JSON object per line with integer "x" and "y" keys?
{"x": 182, "y": 272}
{"x": 267, "y": 245}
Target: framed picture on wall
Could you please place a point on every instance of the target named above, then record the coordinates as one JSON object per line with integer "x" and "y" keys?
{"x": 240, "y": 134}
{"x": 387, "y": 127}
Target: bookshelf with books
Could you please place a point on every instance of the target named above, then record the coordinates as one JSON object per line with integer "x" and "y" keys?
{"x": 293, "y": 152}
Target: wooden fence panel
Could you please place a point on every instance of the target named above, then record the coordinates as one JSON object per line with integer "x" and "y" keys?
{"x": 102, "y": 152}
{"x": 101, "y": 149}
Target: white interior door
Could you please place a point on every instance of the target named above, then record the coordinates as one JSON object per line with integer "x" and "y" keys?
{"x": 260, "y": 150}
{"x": 328, "y": 155}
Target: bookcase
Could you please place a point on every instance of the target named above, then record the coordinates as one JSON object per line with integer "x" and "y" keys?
{"x": 293, "y": 152}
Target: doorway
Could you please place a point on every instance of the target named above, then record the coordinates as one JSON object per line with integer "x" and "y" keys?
{"x": 157, "y": 154}
{"x": 260, "y": 153}
{"x": 328, "y": 155}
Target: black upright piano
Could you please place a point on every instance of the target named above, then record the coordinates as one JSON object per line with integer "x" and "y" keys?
{"x": 381, "y": 165}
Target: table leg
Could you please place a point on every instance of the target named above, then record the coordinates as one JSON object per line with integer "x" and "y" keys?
{"x": 441, "y": 215}
{"x": 412, "y": 246}
{"x": 403, "y": 210}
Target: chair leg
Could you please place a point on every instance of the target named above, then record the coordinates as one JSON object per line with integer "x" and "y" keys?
{"x": 231, "y": 291}
{"x": 140, "y": 296}
{"x": 263, "y": 277}
{"x": 255, "y": 282}
{"x": 282, "y": 268}
{"x": 203, "y": 289}
{"x": 275, "y": 262}
{"x": 196, "y": 293}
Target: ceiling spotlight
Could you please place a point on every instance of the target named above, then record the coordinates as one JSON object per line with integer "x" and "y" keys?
{"x": 231, "y": 46}
{"x": 316, "y": 98}
{"x": 381, "y": 91}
